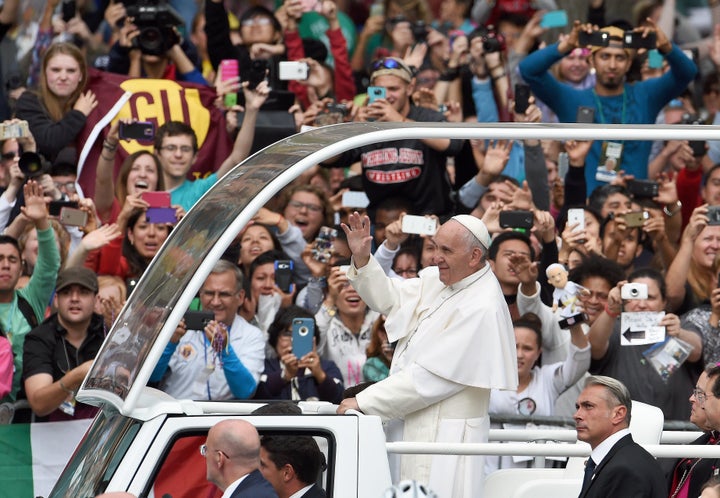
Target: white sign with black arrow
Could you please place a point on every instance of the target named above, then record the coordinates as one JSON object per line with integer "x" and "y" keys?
{"x": 641, "y": 327}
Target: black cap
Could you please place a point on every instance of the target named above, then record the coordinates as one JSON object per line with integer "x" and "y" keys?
{"x": 77, "y": 275}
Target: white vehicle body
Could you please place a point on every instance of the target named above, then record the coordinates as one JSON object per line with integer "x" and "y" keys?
{"x": 131, "y": 437}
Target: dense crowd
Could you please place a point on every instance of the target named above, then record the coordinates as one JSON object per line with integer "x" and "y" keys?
{"x": 634, "y": 225}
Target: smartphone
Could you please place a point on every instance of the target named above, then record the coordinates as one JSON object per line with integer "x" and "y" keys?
{"x": 655, "y": 59}
{"x": 229, "y": 69}
{"x": 522, "y": 97}
{"x": 375, "y": 93}
{"x": 594, "y": 38}
{"x": 197, "y": 320}
{"x": 585, "y": 115}
{"x": 698, "y": 147}
{"x": 293, "y": 70}
{"x": 576, "y": 216}
{"x": 141, "y": 130}
{"x": 14, "y": 130}
{"x": 283, "y": 274}
{"x": 68, "y": 10}
{"x": 636, "y": 219}
{"x": 159, "y": 199}
{"x": 420, "y": 225}
{"x": 643, "y": 188}
{"x": 355, "y": 199}
{"x": 563, "y": 165}
{"x": 377, "y": 9}
{"x": 73, "y": 217}
{"x": 713, "y": 215}
{"x": 554, "y": 19}
{"x": 161, "y": 215}
{"x": 303, "y": 333}
{"x": 56, "y": 206}
{"x": 324, "y": 244}
{"x": 516, "y": 219}
{"x": 632, "y": 39}
{"x": 254, "y": 73}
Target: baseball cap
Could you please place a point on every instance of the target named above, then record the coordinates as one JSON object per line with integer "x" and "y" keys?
{"x": 77, "y": 275}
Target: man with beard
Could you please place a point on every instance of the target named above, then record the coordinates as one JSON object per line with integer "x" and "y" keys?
{"x": 612, "y": 99}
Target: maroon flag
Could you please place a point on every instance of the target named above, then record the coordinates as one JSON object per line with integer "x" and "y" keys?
{"x": 158, "y": 101}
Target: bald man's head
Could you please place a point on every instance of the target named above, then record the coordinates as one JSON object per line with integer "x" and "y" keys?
{"x": 232, "y": 451}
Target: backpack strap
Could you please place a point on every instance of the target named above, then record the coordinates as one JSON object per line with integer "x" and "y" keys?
{"x": 27, "y": 311}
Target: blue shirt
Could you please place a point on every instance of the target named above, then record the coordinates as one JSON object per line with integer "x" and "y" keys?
{"x": 187, "y": 194}
{"x": 643, "y": 101}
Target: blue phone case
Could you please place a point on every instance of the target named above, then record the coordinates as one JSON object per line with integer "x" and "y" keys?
{"x": 375, "y": 93}
{"x": 303, "y": 331}
{"x": 554, "y": 19}
{"x": 655, "y": 59}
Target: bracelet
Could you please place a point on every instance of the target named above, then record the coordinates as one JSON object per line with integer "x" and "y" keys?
{"x": 450, "y": 74}
{"x": 64, "y": 388}
{"x": 107, "y": 145}
{"x": 670, "y": 214}
{"x": 612, "y": 315}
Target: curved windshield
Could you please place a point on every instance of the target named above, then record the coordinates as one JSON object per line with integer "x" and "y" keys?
{"x": 97, "y": 456}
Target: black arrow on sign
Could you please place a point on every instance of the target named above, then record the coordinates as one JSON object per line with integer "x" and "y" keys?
{"x": 629, "y": 335}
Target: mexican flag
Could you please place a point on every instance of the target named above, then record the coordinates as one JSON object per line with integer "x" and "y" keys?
{"x": 34, "y": 455}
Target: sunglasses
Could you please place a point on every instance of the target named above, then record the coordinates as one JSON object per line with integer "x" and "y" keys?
{"x": 9, "y": 156}
{"x": 388, "y": 63}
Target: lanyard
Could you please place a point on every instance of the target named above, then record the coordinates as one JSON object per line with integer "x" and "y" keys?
{"x": 600, "y": 109}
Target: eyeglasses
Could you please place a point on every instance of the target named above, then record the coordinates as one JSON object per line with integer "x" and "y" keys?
{"x": 68, "y": 186}
{"x": 257, "y": 21}
{"x": 185, "y": 149}
{"x": 390, "y": 63}
{"x": 411, "y": 272}
{"x": 701, "y": 396}
{"x": 9, "y": 156}
{"x": 211, "y": 295}
{"x": 204, "y": 449}
{"x": 310, "y": 207}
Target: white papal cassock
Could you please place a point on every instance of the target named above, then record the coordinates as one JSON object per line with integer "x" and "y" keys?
{"x": 456, "y": 343}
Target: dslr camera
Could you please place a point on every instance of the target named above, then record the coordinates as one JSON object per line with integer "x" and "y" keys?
{"x": 492, "y": 40}
{"x": 156, "y": 20}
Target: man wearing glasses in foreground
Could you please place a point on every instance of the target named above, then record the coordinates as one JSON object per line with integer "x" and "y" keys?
{"x": 232, "y": 458}
{"x": 412, "y": 168}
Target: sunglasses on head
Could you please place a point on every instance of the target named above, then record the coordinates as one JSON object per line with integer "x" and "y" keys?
{"x": 388, "y": 63}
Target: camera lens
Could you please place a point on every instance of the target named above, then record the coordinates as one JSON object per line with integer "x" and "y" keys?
{"x": 303, "y": 331}
{"x": 634, "y": 292}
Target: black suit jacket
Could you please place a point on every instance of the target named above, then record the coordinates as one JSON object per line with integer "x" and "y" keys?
{"x": 254, "y": 486}
{"x": 701, "y": 472}
{"x": 627, "y": 471}
{"x": 314, "y": 492}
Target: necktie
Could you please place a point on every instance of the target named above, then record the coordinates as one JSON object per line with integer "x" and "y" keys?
{"x": 589, "y": 469}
